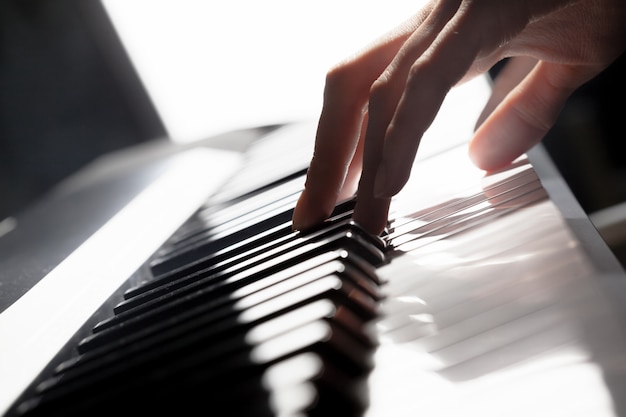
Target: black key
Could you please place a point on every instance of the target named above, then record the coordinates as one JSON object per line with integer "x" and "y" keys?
{"x": 218, "y": 355}
{"x": 223, "y": 298}
{"x": 345, "y": 235}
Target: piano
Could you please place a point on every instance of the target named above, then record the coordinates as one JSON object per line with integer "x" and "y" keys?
{"x": 166, "y": 279}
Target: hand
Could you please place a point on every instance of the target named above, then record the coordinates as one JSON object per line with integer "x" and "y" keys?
{"x": 378, "y": 103}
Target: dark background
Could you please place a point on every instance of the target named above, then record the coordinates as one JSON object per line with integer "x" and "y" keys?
{"x": 68, "y": 94}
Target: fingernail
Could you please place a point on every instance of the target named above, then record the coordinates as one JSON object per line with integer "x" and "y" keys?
{"x": 380, "y": 182}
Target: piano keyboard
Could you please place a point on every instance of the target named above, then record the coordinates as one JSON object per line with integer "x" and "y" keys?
{"x": 478, "y": 299}
{"x": 235, "y": 309}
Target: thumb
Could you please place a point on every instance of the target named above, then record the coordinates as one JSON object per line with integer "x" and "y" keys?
{"x": 525, "y": 115}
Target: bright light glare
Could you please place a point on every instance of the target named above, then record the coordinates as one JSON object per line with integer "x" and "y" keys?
{"x": 215, "y": 66}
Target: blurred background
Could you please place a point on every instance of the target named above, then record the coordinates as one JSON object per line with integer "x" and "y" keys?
{"x": 69, "y": 91}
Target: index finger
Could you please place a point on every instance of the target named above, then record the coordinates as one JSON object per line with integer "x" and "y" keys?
{"x": 345, "y": 97}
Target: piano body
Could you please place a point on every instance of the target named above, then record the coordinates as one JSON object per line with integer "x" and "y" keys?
{"x": 167, "y": 279}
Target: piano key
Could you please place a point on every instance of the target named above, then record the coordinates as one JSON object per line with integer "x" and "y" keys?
{"x": 198, "y": 259}
{"x": 236, "y": 299}
{"x": 466, "y": 206}
{"x": 556, "y": 334}
{"x": 344, "y": 235}
{"x": 274, "y": 212}
{"x": 325, "y": 336}
{"x": 314, "y": 387}
{"x": 278, "y": 234}
{"x": 217, "y": 214}
{"x": 290, "y": 391}
{"x": 211, "y": 215}
{"x": 262, "y": 169}
{"x": 254, "y": 203}
{"x": 214, "y": 240}
{"x": 294, "y": 312}
{"x": 207, "y": 255}
{"x": 469, "y": 289}
{"x": 492, "y": 190}
{"x": 516, "y": 324}
{"x": 473, "y": 217}
{"x": 464, "y": 293}
{"x": 325, "y": 341}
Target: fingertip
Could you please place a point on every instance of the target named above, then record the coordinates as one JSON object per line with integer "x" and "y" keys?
{"x": 476, "y": 155}
{"x": 487, "y": 158}
{"x": 497, "y": 142}
{"x": 306, "y": 214}
{"x": 372, "y": 217}
{"x": 391, "y": 178}
{"x": 299, "y": 219}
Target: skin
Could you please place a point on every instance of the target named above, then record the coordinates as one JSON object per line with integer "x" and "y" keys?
{"x": 378, "y": 103}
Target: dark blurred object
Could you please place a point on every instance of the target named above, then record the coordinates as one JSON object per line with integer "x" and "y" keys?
{"x": 588, "y": 146}
{"x": 68, "y": 93}
{"x": 588, "y": 143}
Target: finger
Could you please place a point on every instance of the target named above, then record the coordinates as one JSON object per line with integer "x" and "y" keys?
{"x": 429, "y": 80}
{"x": 371, "y": 212}
{"x": 336, "y": 146}
{"x": 508, "y": 78}
{"x": 336, "y": 141}
{"x": 473, "y": 36}
{"x": 523, "y": 118}
{"x": 351, "y": 181}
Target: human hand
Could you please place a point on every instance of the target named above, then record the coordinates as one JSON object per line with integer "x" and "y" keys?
{"x": 378, "y": 103}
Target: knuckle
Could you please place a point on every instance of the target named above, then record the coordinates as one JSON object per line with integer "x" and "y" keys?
{"x": 380, "y": 90}
{"x": 343, "y": 81}
{"x": 337, "y": 79}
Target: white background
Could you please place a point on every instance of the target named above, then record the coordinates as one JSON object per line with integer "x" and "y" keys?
{"x": 215, "y": 66}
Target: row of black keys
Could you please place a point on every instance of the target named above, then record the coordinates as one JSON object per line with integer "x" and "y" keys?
{"x": 240, "y": 314}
